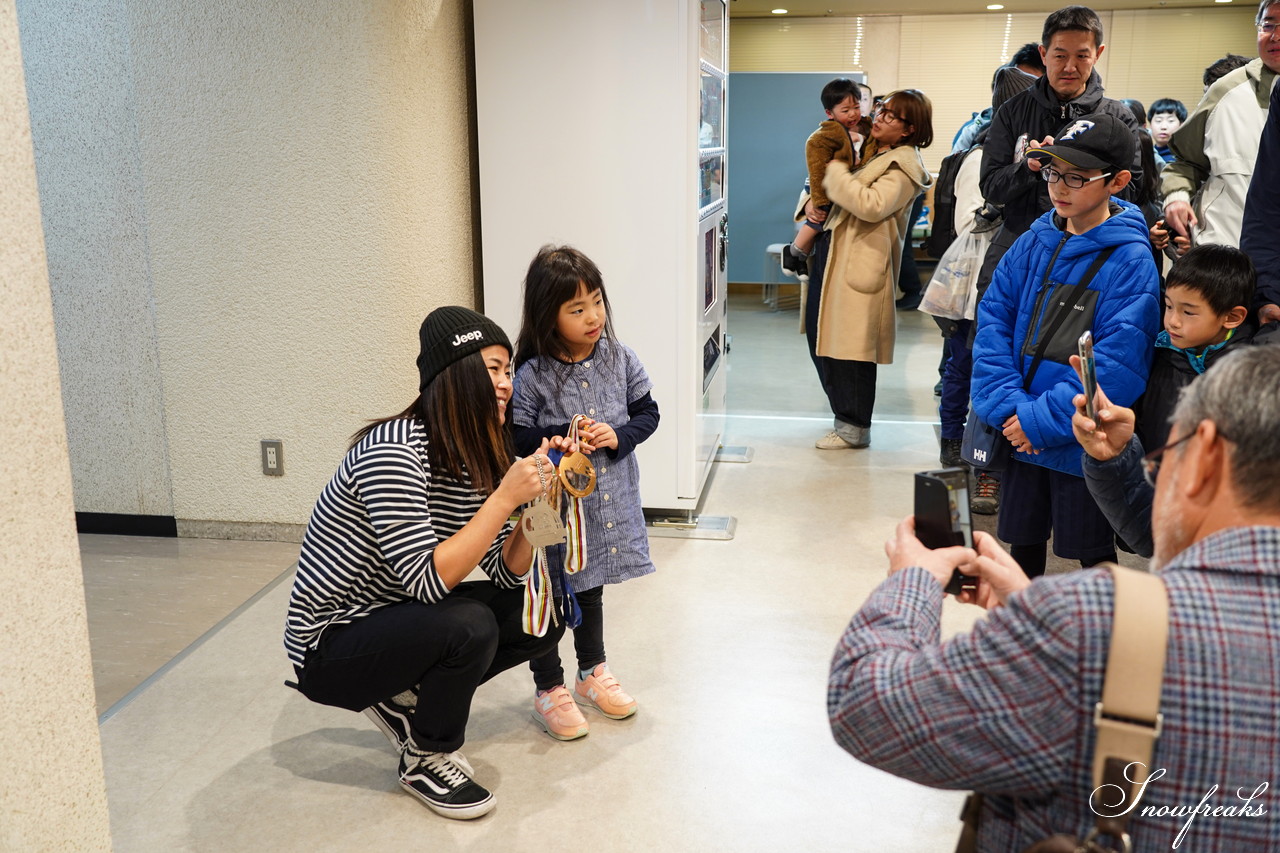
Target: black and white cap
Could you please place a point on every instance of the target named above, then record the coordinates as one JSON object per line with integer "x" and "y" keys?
{"x": 1094, "y": 141}
{"x": 451, "y": 333}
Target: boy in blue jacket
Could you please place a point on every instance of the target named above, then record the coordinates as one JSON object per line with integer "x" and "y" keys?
{"x": 1044, "y": 488}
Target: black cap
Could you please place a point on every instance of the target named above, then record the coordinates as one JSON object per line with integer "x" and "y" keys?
{"x": 1095, "y": 141}
{"x": 451, "y": 333}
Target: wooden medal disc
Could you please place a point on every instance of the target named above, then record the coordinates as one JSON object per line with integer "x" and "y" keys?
{"x": 577, "y": 474}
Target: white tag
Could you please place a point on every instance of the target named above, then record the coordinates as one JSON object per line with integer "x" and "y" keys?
{"x": 541, "y": 525}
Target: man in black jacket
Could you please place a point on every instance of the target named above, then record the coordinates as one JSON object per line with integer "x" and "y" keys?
{"x": 1261, "y": 215}
{"x": 1071, "y": 45}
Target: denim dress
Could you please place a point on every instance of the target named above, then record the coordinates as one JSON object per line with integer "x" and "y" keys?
{"x": 549, "y": 392}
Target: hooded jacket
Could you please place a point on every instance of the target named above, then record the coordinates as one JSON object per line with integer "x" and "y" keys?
{"x": 1029, "y": 116}
{"x": 1123, "y": 298}
{"x": 1172, "y": 370}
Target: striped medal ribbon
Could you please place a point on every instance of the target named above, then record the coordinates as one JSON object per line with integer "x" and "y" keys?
{"x": 539, "y": 607}
{"x": 579, "y": 479}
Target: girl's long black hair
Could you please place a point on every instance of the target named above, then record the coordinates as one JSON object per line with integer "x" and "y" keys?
{"x": 553, "y": 279}
{"x": 460, "y": 413}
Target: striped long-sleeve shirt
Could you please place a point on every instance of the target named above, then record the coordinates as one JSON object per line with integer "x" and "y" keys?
{"x": 1007, "y": 708}
{"x": 373, "y": 533}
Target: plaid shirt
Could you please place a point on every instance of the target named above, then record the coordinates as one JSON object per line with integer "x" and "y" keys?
{"x": 1007, "y": 708}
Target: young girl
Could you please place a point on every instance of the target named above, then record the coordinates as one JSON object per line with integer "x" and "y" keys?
{"x": 568, "y": 363}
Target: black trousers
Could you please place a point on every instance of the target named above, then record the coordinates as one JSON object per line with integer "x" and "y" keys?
{"x": 447, "y": 649}
{"x": 850, "y": 386}
{"x": 588, "y": 642}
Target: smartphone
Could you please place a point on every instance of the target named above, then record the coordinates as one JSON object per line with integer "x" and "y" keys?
{"x": 942, "y": 516}
{"x": 1088, "y": 375}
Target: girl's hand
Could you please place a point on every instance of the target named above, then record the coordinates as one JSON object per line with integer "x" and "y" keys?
{"x": 1018, "y": 438}
{"x": 521, "y": 483}
{"x": 601, "y": 435}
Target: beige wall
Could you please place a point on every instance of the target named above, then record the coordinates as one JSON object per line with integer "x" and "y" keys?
{"x": 52, "y": 795}
{"x": 282, "y": 190}
{"x": 1149, "y": 54}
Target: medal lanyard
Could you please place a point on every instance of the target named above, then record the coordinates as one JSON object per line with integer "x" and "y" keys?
{"x": 539, "y": 609}
{"x": 575, "y": 559}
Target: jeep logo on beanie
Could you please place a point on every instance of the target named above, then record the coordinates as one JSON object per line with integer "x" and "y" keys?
{"x": 459, "y": 340}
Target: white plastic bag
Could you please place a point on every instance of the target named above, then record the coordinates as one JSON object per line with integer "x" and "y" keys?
{"x": 953, "y": 291}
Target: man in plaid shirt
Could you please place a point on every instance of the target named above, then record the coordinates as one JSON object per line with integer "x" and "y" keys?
{"x": 1007, "y": 708}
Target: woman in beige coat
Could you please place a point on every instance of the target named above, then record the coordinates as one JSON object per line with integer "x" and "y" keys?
{"x": 855, "y": 317}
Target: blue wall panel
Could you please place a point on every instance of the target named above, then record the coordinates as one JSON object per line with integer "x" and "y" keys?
{"x": 770, "y": 117}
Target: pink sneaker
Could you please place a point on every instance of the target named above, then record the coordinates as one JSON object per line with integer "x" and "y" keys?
{"x": 554, "y": 711}
{"x": 601, "y": 691}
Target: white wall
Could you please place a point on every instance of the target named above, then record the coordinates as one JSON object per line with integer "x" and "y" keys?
{"x": 52, "y": 794}
{"x": 302, "y": 173}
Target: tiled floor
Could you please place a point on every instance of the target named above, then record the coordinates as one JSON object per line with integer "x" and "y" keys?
{"x": 726, "y": 648}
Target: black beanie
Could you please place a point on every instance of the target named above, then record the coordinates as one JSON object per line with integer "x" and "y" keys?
{"x": 451, "y": 333}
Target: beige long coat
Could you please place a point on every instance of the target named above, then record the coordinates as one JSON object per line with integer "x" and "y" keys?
{"x": 856, "y": 317}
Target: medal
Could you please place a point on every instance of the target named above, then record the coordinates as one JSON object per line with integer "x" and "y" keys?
{"x": 577, "y": 474}
{"x": 541, "y": 525}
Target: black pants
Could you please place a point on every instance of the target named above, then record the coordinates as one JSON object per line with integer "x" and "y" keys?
{"x": 588, "y": 642}
{"x": 448, "y": 648}
{"x": 850, "y": 385}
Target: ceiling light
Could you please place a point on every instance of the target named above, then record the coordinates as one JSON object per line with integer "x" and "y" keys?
{"x": 779, "y": 11}
{"x": 995, "y": 7}
{"x": 1221, "y": 1}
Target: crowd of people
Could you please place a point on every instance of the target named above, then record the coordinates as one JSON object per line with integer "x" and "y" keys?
{"x": 1175, "y": 458}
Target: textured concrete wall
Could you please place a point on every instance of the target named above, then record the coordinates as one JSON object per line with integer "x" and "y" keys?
{"x": 52, "y": 795}
{"x": 84, "y": 122}
{"x": 304, "y": 172}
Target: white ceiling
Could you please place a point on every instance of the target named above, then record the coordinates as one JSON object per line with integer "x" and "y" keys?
{"x": 823, "y": 8}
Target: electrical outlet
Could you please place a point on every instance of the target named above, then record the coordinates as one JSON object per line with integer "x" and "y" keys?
{"x": 273, "y": 457}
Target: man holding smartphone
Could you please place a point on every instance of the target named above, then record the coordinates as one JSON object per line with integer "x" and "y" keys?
{"x": 1007, "y": 708}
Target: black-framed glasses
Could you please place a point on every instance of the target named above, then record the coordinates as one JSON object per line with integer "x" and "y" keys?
{"x": 889, "y": 115}
{"x": 1071, "y": 179}
{"x": 1151, "y": 462}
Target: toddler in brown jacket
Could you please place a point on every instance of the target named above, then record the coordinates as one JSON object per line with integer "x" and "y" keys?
{"x": 835, "y": 139}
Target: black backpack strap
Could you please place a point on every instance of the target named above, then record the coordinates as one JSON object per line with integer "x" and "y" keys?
{"x": 1072, "y": 299}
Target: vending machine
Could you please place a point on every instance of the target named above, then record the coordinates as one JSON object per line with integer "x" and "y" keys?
{"x": 601, "y": 126}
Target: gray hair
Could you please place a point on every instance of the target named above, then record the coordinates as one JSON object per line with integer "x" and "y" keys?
{"x": 1262, "y": 9}
{"x": 1241, "y": 395}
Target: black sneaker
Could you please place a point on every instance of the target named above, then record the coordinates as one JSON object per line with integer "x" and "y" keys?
{"x": 442, "y": 780}
{"x": 794, "y": 265}
{"x": 986, "y": 495}
{"x": 393, "y": 716}
{"x": 950, "y": 456}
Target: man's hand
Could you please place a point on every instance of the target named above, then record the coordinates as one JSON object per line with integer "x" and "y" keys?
{"x": 1268, "y": 313}
{"x": 1106, "y": 438}
{"x": 905, "y": 550}
{"x": 1179, "y": 216}
{"x": 998, "y": 575}
{"x": 1035, "y": 164}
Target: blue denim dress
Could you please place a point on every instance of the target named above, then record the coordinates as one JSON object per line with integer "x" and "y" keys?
{"x": 549, "y": 392}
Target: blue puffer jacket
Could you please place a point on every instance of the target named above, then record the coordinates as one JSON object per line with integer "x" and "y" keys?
{"x": 1125, "y": 322}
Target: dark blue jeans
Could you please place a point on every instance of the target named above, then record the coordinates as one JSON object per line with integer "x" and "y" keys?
{"x": 850, "y": 386}
{"x": 448, "y": 648}
{"x": 953, "y": 408}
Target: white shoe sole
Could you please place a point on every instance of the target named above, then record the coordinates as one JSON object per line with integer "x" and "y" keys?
{"x": 546, "y": 727}
{"x": 469, "y": 812}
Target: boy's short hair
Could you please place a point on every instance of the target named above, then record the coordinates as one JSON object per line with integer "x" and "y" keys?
{"x": 1223, "y": 275}
{"x": 1080, "y": 18}
{"x": 837, "y": 90}
{"x": 1222, "y": 67}
{"x": 1168, "y": 105}
{"x": 914, "y": 108}
{"x": 1028, "y": 54}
